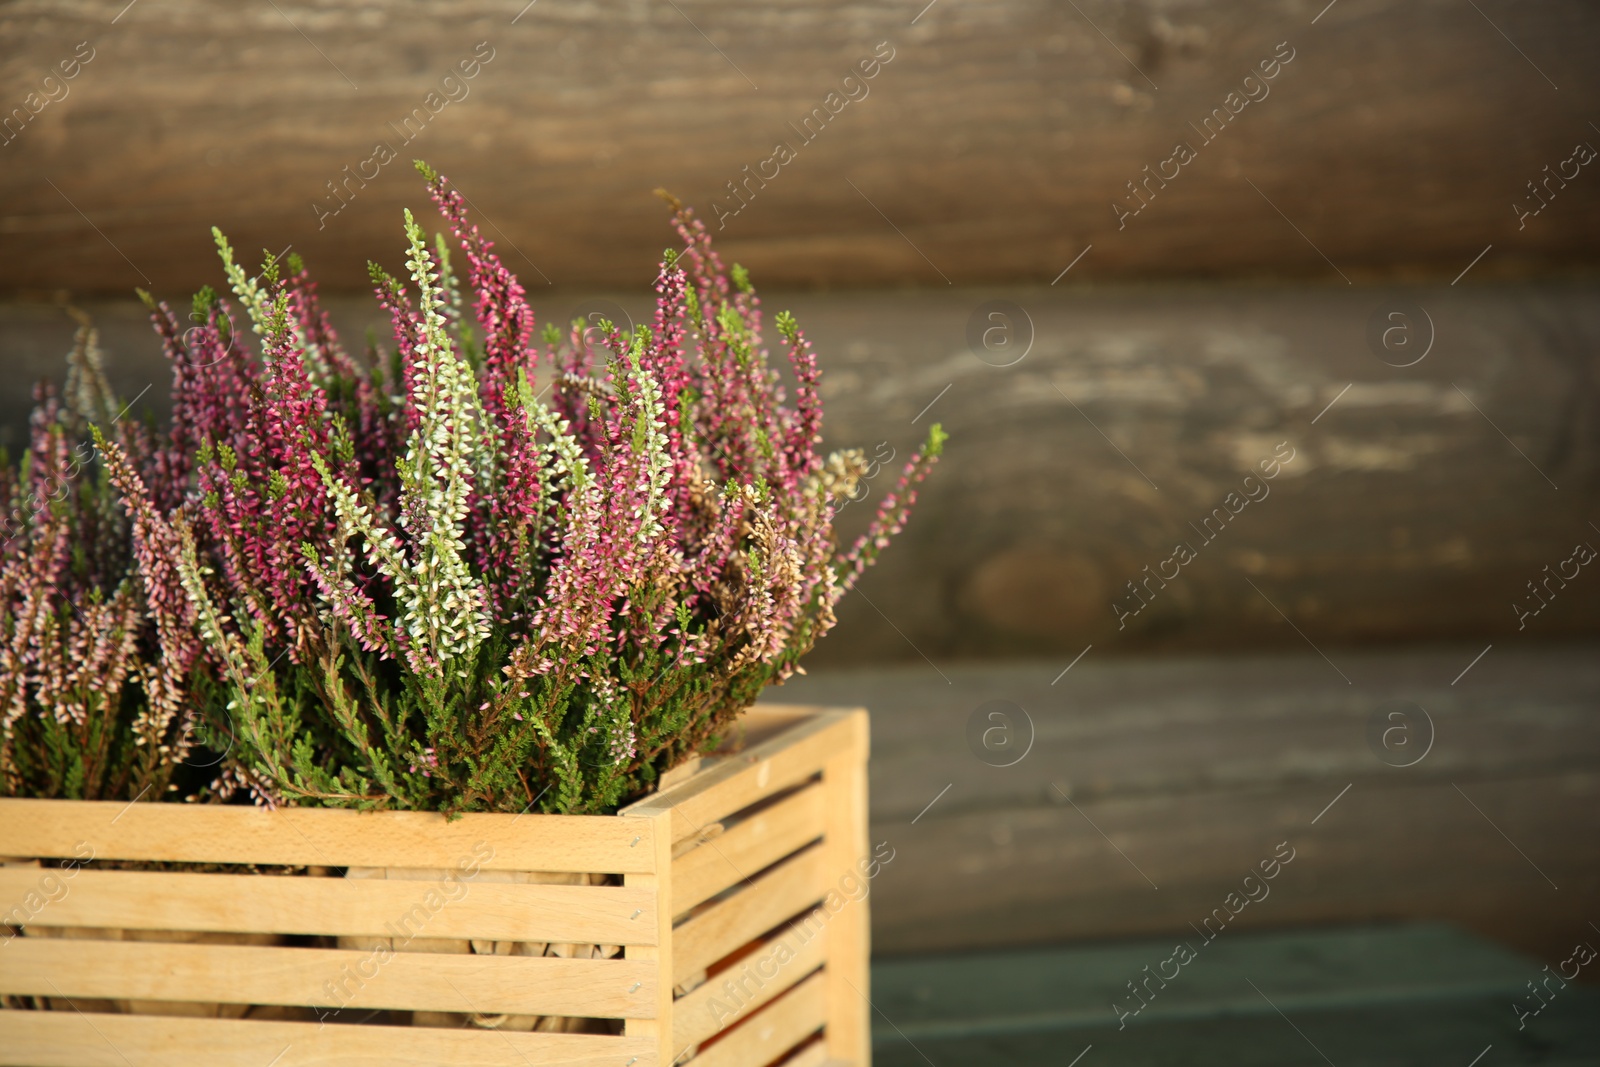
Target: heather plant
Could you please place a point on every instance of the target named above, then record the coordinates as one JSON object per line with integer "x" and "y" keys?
{"x": 98, "y": 650}
{"x": 426, "y": 582}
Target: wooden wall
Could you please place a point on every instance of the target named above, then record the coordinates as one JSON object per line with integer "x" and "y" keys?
{"x": 1419, "y": 504}
{"x": 992, "y": 146}
{"x": 1152, "y": 788}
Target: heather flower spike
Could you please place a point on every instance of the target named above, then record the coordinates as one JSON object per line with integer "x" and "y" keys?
{"x": 502, "y": 567}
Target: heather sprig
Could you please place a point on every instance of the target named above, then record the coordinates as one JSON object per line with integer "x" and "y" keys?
{"x": 98, "y": 653}
{"x": 431, "y": 584}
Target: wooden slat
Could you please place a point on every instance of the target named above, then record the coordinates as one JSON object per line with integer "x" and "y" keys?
{"x": 774, "y": 1029}
{"x": 779, "y": 894}
{"x": 657, "y": 955}
{"x": 328, "y": 978}
{"x": 738, "y": 781}
{"x": 814, "y": 1054}
{"x": 607, "y": 915}
{"x": 292, "y": 836}
{"x": 716, "y": 1006}
{"x": 849, "y": 1034}
{"x": 754, "y": 844}
{"x": 763, "y": 721}
{"x": 72, "y": 1039}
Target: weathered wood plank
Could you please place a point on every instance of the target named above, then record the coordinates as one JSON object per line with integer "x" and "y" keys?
{"x": 1197, "y": 769}
{"x": 1389, "y": 159}
{"x": 1365, "y": 1035}
{"x": 1374, "y": 996}
{"x": 1403, "y": 516}
{"x": 1148, "y": 727}
{"x": 1073, "y": 988}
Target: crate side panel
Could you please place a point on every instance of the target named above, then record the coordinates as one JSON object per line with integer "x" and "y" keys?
{"x": 731, "y": 924}
{"x": 754, "y": 844}
{"x": 732, "y": 995}
{"x": 737, "y": 781}
{"x": 773, "y": 1030}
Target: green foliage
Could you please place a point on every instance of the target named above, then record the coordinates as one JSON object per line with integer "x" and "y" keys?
{"x": 787, "y": 326}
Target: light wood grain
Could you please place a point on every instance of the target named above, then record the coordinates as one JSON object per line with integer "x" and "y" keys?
{"x": 606, "y": 915}
{"x": 754, "y": 843}
{"x": 849, "y": 1034}
{"x": 814, "y": 1054}
{"x": 657, "y": 955}
{"x": 738, "y": 781}
{"x": 774, "y": 1029}
{"x": 333, "y": 838}
{"x": 73, "y": 1039}
{"x": 795, "y": 954}
{"x": 729, "y": 925}
{"x": 328, "y": 978}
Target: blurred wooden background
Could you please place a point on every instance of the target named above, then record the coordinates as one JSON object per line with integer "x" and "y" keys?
{"x": 1138, "y": 792}
{"x": 1418, "y": 506}
{"x": 995, "y": 141}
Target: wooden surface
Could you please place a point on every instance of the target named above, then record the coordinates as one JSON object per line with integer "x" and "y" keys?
{"x": 238, "y": 974}
{"x": 657, "y": 1029}
{"x": 1405, "y": 515}
{"x": 757, "y": 772}
{"x": 778, "y": 1026}
{"x": 991, "y": 147}
{"x": 769, "y": 900}
{"x": 769, "y": 947}
{"x": 248, "y": 903}
{"x": 1185, "y": 774}
{"x": 74, "y": 1039}
{"x": 701, "y": 1013}
{"x": 752, "y": 845}
{"x": 1381, "y": 996}
{"x": 112, "y": 830}
{"x": 849, "y": 988}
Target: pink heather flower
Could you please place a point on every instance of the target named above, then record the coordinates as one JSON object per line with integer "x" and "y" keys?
{"x": 662, "y": 503}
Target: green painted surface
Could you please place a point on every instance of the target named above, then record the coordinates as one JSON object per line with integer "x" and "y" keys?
{"x": 1361, "y": 997}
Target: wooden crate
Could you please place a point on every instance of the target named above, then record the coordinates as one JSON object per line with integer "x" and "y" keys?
{"x": 742, "y": 867}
